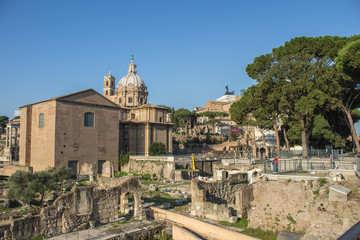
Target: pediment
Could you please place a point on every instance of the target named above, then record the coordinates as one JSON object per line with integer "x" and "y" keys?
{"x": 88, "y": 96}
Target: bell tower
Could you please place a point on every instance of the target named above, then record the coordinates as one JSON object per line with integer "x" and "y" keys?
{"x": 109, "y": 85}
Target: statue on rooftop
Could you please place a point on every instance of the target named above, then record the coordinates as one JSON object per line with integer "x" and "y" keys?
{"x": 227, "y": 91}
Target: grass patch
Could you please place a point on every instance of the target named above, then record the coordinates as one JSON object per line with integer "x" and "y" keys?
{"x": 184, "y": 169}
{"x": 42, "y": 236}
{"x": 242, "y": 223}
{"x": 254, "y": 232}
{"x": 322, "y": 181}
{"x": 130, "y": 221}
{"x": 148, "y": 182}
{"x": 258, "y": 233}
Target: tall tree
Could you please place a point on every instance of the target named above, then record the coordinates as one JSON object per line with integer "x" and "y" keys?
{"x": 3, "y": 121}
{"x": 348, "y": 63}
{"x": 307, "y": 67}
{"x": 184, "y": 119}
{"x": 266, "y": 98}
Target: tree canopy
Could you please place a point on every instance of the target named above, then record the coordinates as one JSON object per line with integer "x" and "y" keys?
{"x": 299, "y": 84}
{"x": 26, "y": 186}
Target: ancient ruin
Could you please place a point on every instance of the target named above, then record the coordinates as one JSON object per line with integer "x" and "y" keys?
{"x": 81, "y": 208}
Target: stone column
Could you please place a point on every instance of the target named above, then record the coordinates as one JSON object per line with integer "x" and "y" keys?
{"x": 7, "y": 136}
{"x": 147, "y": 138}
{"x": 15, "y": 141}
{"x": 10, "y": 136}
{"x": 170, "y": 140}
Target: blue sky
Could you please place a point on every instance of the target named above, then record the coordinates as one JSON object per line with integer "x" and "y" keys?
{"x": 186, "y": 51}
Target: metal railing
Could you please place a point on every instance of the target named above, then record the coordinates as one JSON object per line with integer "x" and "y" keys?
{"x": 283, "y": 166}
{"x": 336, "y": 154}
{"x": 352, "y": 234}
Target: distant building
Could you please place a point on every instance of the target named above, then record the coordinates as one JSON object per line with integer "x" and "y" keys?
{"x": 251, "y": 139}
{"x": 88, "y": 128}
{"x": 221, "y": 104}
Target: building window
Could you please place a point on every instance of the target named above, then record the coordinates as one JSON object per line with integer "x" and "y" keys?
{"x": 106, "y": 92}
{"x": 160, "y": 119}
{"x": 141, "y": 100}
{"x": 125, "y": 136}
{"x": 119, "y": 100}
{"x": 107, "y": 83}
{"x": 130, "y": 100}
{"x": 41, "y": 120}
{"x": 89, "y": 119}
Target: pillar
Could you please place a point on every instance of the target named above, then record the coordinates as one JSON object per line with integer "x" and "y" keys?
{"x": 147, "y": 138}
{"x": 7, "y": 136}
{"x": 15, "y": 142}
{"x": 10, "y": 136}
{"x": 170, "y": 140}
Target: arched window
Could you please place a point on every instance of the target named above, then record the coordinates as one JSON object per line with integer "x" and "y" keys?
{"x": 106, "y": 92}
{"x": 89, "y": 119}
{"x": 107, "y": 83}
{"x": 41, "y": 120}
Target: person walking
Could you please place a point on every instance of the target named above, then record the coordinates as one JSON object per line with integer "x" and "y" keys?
{"x": 267, "y": 164}
{"x": 273, "y": 164}
{"x": 276, "y": 164}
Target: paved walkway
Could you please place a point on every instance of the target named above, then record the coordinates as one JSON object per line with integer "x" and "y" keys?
{"x": 104, "y": 232}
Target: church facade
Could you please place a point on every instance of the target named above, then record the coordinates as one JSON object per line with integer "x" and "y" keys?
{"x": 85, "y": 129}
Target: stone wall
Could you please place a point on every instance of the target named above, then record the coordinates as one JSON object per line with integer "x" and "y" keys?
{"x": 162, "y": 167}
{"x": 186, "y": 175}
{"x": 75, "y": 210}
{"x": 220, "y": 200}
{"x": 303, "y": 207}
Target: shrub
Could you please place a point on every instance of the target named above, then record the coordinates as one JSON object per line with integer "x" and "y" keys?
{"x": 157, "y": 148}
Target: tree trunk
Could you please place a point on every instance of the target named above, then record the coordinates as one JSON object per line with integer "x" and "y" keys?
{"x": 304, "y": 138}
{"x": 276, "y": 136}
{"x": 352, "y": 129}
{"x": 286, "y": 139}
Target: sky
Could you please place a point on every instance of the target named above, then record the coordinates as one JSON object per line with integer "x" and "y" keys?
{"x": 186, "y": 51}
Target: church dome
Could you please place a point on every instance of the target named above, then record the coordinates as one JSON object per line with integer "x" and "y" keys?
{"x": 131, "y": 79}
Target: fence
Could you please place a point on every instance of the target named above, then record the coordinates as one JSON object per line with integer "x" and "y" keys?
{"x": 287, "y": 165}
{"x": 336, "y": 154}
{"x": 284, "y": 166}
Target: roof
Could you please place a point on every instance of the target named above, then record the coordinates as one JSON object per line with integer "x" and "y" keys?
{"x": 88, "y": 96}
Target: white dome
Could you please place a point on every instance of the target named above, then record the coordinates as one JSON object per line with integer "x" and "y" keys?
{"x": 131, "y": 79}
{"x": 226, "y": 98}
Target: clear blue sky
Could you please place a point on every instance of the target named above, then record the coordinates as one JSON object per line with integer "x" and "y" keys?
{"x": 186, "y": 51}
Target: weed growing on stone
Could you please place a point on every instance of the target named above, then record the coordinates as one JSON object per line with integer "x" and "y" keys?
{"x": 316, "y": 194}
{"x": 290, "y": 218}
{"x": 242, "y": 223}
{"x": 322, "y": 181}
{"x": 258, "y": 233}
{"x": 39, "y": 237}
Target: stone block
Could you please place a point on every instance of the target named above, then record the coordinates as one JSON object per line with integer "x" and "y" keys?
{"x": 338, "y": 193}
{"x": 233, "y": 219}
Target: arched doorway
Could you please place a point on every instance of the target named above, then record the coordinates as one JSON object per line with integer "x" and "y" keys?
{"x": 129, "y": 205}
